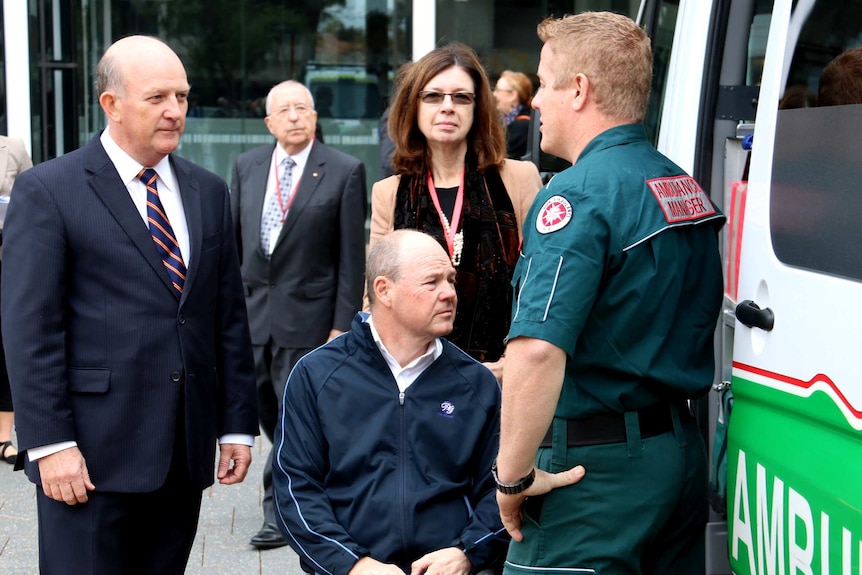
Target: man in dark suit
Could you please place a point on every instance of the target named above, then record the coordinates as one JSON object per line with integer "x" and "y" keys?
{"x": 299, "y": 216}
{"x": 131, "y": 353}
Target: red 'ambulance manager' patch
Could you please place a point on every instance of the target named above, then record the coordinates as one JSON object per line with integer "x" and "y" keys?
{"x": 681, "y": 198}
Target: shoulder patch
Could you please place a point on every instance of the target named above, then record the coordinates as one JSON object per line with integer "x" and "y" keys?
{"x": 554, "y": 214}
{"x": 681, "y": 198}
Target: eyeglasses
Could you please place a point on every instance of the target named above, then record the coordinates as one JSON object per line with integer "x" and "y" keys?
{"x": 436, "y": 98}
{"x": 300, "y": 109}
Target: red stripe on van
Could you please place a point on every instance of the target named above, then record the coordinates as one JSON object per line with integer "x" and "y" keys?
{"x": 800, "y": 383}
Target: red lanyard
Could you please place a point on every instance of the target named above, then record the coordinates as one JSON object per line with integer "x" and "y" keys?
{"x": 456, "y": 213}
{"x": 284, "y": 209}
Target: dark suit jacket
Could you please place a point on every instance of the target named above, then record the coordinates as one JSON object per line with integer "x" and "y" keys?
{"x": 101, "y": 348}
{"x": 314, "y": 280}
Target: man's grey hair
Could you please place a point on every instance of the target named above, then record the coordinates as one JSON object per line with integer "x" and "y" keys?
{"x": 109, "y": 77}
{"x": 285, "y": 84}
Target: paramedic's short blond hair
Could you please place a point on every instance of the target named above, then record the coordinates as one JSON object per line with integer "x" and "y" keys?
{"x": 611, "y": 51}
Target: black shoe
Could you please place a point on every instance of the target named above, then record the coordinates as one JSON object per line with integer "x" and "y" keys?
{"x": 269, "y": 537}
{"x": 4, "y": 447}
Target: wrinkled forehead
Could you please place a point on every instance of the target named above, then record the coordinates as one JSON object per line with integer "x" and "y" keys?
{"x": 165, "y": 72}
{"x": 291, "y": 94}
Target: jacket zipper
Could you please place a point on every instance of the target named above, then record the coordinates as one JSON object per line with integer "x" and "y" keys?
{"x": 403, "y": 469}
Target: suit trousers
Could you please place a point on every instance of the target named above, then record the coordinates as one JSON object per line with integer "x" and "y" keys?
{"x": 272, "y": 365}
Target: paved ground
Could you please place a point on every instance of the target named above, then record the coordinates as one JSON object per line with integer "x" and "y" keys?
{"x": 229, "y": 517}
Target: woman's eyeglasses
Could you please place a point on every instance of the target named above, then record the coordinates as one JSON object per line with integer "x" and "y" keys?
{"x": 436, "y": 98}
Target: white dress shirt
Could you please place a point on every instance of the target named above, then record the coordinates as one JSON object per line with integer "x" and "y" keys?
{"x": 272, "y": 182}
{"x": 405, "y": 376}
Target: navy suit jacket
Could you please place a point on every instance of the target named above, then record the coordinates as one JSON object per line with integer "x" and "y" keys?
{"x": 101, "y": 349}
{"x": 314, "y": 279}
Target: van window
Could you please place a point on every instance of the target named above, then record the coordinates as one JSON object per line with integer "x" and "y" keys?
{"x": 816, "y": 196}
{"x": 661, "y": 32}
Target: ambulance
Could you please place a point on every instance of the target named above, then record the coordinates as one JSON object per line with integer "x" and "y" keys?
{"x": 761, "y": 102}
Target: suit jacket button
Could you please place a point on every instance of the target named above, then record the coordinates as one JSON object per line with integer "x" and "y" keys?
{"x": 182, "y": 320}
{"x": 175, "y": 376}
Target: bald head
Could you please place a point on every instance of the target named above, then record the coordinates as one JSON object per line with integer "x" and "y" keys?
{"x": 385, "y": 256}
{"x": 129, "y": 51}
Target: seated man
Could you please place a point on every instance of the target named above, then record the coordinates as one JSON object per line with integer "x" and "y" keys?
{"x": 388, "y": 433}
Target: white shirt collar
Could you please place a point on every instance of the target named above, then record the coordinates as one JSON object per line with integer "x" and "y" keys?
{"x": 301, "y": 157}
{"x": 405, "y": 376}
{"x": 129, "y": 168}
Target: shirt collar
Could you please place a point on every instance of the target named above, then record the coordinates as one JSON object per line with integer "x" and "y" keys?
{"x": 435, "y": 350}
{"x": 301, "y": 157}
{"x": 616, "y": 136}
{"x": 129, "y": 168}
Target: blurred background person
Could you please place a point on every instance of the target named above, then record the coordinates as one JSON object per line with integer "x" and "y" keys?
{"x": 299, "y": 216}
{"x": 841, "y": 80}
{"x": 513, "y": 94}
{"x": 13, "y": 160}
{"x": 453, "y": 182}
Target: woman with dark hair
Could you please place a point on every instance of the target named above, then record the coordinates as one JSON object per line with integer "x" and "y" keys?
{"x": 513, "y": 94}
{"x": 452, "y": 180}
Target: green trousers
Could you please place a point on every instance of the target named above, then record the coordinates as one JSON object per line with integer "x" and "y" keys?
{"x": 641, "y": 508}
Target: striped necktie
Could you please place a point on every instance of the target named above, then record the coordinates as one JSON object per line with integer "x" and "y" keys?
{"x": 162, "y": 232}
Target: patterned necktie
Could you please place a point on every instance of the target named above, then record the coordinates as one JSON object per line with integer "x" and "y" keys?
{"x": 162, "y": 232}
{"x": 276, "y": 207}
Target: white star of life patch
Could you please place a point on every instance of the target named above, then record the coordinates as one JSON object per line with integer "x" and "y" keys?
{"x": 555, "y": 213}
{"x": 681, "y": 198}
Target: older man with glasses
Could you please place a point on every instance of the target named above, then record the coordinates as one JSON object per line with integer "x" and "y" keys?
{"x": 299, "y": 216}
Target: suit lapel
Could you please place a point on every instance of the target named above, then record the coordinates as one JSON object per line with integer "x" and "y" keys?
{"x": 312, "y": 175}
{"x": 107, "y": 185}
{"x": 190, "y": 194}
{"x": 256, "y": 186}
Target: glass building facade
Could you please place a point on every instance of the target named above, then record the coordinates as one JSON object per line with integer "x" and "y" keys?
{"x": 345, "y": 51}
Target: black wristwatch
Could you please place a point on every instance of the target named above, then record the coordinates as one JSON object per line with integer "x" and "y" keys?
{"x": 513, "y": 488}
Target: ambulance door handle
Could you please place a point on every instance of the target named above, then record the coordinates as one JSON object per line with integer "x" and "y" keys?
{"x": 750, "y": 314}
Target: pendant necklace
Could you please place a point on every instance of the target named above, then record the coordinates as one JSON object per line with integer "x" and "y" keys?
{"x": 454, "y": 238}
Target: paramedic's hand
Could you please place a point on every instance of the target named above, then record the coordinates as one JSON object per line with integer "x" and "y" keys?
{"x": 65, "y": 477}
{"x": 447, "y": 561}
{"x": 510, "y": 505}
{"x": 369, "y": 566}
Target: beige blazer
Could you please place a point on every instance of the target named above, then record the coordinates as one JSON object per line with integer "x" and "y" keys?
{"x": 521, "y": 179}
{"x": 13, "y": 161}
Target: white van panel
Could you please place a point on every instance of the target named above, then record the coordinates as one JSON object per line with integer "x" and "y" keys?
{"x": 678, "y": 135}
{"x": 801, "y": 346}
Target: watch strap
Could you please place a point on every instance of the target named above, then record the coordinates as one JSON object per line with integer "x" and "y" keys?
{"x": 513, "y": 488}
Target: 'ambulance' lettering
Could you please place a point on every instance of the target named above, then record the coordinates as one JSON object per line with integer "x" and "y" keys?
{"x": 780, "y": 534}
{"x": 681, "y": 198}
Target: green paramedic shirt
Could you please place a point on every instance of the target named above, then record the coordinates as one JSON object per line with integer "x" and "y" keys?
{"x": 620, "y": 268}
